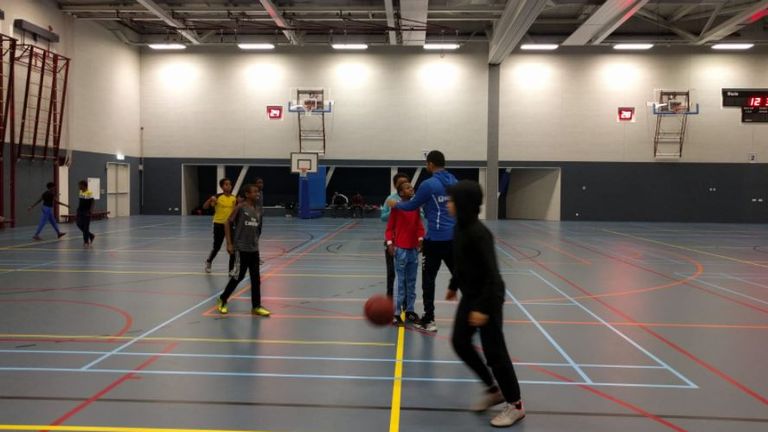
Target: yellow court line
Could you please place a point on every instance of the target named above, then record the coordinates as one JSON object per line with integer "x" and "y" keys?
{"x": 397, "y": 383}
{"x": 108, "y": 429}
{"x": 187, "y": 339}
{"x": 688, "y": 249}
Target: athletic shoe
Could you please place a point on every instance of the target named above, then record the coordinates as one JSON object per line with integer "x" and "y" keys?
{"x": 397, "y": 321}
{"x": 38, "y": 238}
{"x": 428, "y": 324}
{"x": 488, "y": 400}
{"x": 92, "y": 237}
{"x": 261, "y": 311}
{"x": 207, "y": 266}
{"x": 61, "y": 235}
{"x": 412, "y": 318}
{"x": 221, "y": 307}
{"x": 509, "y": 416}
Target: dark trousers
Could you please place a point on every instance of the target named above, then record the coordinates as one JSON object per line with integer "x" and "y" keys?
{"x": 83, "y": 222}
{"x": 218, "y": 239}
{"x": 248, "y": 262}
{"x": 390, "y": 273}
{"x": 494, "y": 349}
{"x": 435, "y": 253}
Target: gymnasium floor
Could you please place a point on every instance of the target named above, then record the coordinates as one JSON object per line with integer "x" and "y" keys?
{"x": 614, "y": 327}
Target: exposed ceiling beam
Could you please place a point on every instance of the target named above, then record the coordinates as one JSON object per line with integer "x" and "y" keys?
{"x": 509, "y": 30}
{"x": 663, "y": 23}
{"x": 390, "y": 10}
{"x": 711, "y": 20}
{"x": 683, "y": 11}
{"x": 274, "y": 13}
{"x": 413, "y": 13}
{"x": 610, "y": 16}
{"x": 728, "y": 11}
{"x": 168, "y": 19}
{"x": 735, "y": 23}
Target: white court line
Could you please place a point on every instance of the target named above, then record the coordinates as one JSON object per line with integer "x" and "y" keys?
{"x": 731, "y": 291}
{"x": 546, "y": 333}
{"x": 323, "y": 377}
{"x": 729, "y": 276}
{"x": 619, "y": 333}
{"x": 304, "y": 358}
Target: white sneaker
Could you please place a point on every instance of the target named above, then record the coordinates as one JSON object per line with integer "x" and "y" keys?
{"x": 207, "y": 267}
{"x": 488, "y": 400}
{"x": 430, "y": 326}
{"x": 509, "y": 416}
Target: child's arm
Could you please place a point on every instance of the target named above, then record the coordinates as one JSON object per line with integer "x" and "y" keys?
{"x": 485, "y": 249}
{"x": 385, "y": 211}
{"x": 57, "y": 202}
{"x": 421, "y": 197}
{"x": 228, "y": 229}
{"x": 210, "y": 202}
{"x": 389, "y": 234}
{"x": 35, "y": 203}
{"x": 420, "y": 231}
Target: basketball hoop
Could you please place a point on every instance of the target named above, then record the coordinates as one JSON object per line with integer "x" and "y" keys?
{"x": 309, "y": 106}
{"x": 303, "y": 172}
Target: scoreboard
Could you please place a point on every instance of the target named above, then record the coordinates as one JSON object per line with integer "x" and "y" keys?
{"x": 753, "y": 103}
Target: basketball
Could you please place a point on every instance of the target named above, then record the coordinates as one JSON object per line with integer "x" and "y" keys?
{"x": 379, "y": 310}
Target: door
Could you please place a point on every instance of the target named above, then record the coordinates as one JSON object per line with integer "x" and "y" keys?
{"x": 118, "y": 190}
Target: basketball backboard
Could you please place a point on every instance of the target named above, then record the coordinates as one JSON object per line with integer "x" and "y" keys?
{"x": 303, "y": 163}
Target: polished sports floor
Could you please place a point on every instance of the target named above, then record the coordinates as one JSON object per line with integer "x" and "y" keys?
{"x": 613, "y": 327}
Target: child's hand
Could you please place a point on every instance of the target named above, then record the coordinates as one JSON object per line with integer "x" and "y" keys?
{"x": 391, "y": 250}
{"x": 477, "y": 319}
{"x": 421, "y": 245}
{"x": 230, "y": 249}
{"x": 450, "y": 295}
{"x": 392, "y": 203}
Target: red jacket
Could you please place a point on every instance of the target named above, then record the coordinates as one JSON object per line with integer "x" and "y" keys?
{"x": 404, "y": 229}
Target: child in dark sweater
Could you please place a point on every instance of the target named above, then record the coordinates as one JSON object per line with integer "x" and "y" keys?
{"x": 476, "y": 274}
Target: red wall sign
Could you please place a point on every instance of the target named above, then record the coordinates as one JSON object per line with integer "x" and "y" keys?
{"x": 626, "y": 114}
{"x": 275, "y": 112}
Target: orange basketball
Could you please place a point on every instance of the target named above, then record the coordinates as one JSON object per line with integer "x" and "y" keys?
{"x": 379, "y": 310}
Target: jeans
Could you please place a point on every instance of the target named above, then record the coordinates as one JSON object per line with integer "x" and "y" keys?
{"x": 47, "y": 217}
{"x": 406, "y": 266}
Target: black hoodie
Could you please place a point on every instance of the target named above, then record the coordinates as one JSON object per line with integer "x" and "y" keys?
{"x": 476, "y": 272}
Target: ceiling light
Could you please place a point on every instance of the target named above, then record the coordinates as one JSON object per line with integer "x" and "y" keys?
{"x": 350, "y": 46}
{"x": 168, "y": 46}
{"x": 441, "y": 46}
{"x": 733, "y": 46}
{"x": 633, "y": 46}
{"x": 539, "y": 47}
{"x": 256, "y": 46}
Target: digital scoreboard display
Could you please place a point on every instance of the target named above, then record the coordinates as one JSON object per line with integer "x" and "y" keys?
{"x": 753, "y": 103}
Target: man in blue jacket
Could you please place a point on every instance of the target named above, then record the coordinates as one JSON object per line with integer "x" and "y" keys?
{"x": 438, "y": 243}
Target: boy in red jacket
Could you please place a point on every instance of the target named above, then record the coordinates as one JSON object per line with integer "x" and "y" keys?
{"x": 404, "y": 236}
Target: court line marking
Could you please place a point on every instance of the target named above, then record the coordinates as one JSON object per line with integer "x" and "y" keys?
{"x": 397, "y": 383}
{"x": 730, "y": 276}
{"x": 13, "y": 427}
{"x": 311, "y": 358}
{"x": 549, "y": 337}
{"x": 21, "y": 246}
{"x": 617, "y": 332}
{"x": 327, "y": 377}
{"x": 729, "y": 258}
{"x": 732, "y": 291}
{"x": 566, "y": 253}
{"x": 210, "y": 340}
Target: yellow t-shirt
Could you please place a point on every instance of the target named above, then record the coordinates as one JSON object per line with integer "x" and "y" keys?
{"x": 224, "y": 206}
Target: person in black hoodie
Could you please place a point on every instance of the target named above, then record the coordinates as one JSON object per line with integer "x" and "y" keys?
{"x": 476, "y": 274}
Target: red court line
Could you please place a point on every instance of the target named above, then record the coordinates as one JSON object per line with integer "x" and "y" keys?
{"x": 658, "y": 336}
{"x": 126, "y": 316}
{"x": 566, "y": 253}
{"x": 686, "y": 281}
{"x": 290, "y": 262}
{"x": 111, "y": 387}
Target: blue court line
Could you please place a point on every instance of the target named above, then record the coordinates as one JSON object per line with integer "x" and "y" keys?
{"x": 619, "y": 333}
{"x": 551, "y": 340}
{"x": 304, "y": 358}
{"x": 163, "y": 324}
{"x": 546, "y": 334}
{"x": 729, "y": 290}
{"x": 325, "y": 377}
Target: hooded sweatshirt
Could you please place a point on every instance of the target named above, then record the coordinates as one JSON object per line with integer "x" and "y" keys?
{"x": 476, "y": 271}
{"x": 433, "y": 197}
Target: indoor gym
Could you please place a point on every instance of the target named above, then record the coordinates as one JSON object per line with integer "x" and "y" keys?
{"x": 623, "y": 139}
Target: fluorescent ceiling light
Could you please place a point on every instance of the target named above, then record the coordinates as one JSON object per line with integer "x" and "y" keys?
{"x": 539, "y": 47}
{"x": 256, "y": 46}
{"x": 170, "y": 46}
{"x": 633, "y": 46}
{"x": 441, "y": 46}
{"x": 733, "y": 46}
{"x": 350, "y": 46}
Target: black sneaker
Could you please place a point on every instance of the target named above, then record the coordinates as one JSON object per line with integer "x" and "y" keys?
{"x": 397, "y": 321}
{"x": 412, "y": 318}
{"x": 428, "y": 324}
